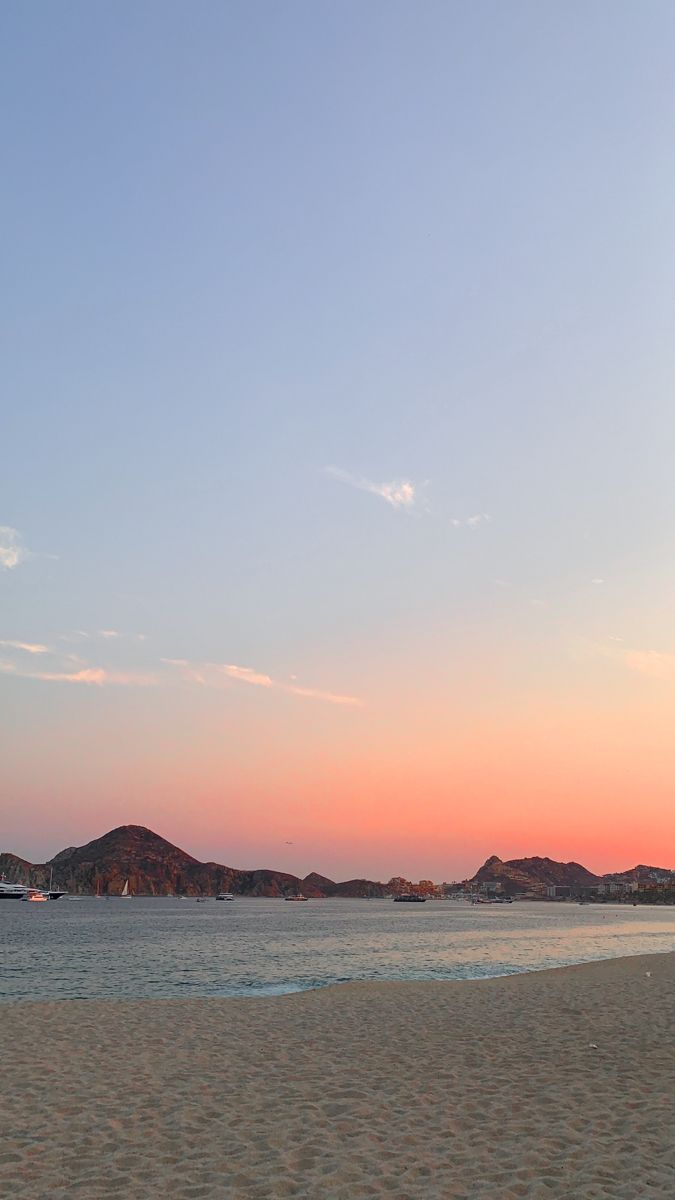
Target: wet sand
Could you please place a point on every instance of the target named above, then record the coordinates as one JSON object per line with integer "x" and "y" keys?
{"x": 554, "y": 1085}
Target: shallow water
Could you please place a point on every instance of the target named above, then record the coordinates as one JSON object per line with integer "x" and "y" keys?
{"x": 164, "y": 947}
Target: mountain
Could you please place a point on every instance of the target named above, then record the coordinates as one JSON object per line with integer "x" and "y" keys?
{"x": 532, "y": 874}
{"x": 19, "y": 870}
{"x": 320, "y": 885}
{"x": 640, "y": 874}
{"x": 156, "y": 867}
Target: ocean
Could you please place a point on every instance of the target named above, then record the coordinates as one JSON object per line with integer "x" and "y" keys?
{"x": 165, "y": 947}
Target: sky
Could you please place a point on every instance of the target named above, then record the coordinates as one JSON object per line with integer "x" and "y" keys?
{"x": 337, "y": 505}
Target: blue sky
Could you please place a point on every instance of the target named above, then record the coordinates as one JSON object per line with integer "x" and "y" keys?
{"x": 247, "y": 243}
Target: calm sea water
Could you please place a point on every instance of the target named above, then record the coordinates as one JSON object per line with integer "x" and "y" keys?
{"x": 168, "y": 947}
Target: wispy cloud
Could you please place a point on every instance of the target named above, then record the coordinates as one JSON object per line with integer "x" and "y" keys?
{"x": 656, "y": 664}
{"x": 247, "y": 675}
{"x": 210, "y": 674}
{"x": 88, "y": 675}
{"x": 399, "y": 493}
{"x": 470, "y": 522}
{"x": 106, "y": 635}
{"x": 317, "y": 694}
{"x": 70, "y": 668}
{"x": 26, "y": 647}
{"x": 190, "y": 672}
{"x": 650, "y": 662}
{"x": 12, "y": 549}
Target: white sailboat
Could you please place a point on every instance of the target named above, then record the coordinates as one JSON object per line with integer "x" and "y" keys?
{"x": 125, "y": 890}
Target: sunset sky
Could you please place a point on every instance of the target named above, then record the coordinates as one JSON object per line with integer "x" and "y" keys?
{"x": 337, "y": 499}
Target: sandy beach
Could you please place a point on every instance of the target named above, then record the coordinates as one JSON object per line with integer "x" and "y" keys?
{"x": 544, "y": 1086}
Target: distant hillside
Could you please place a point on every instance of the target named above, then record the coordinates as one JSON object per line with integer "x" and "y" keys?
{"x": 640, "y": 874}
{"x": 19, "y": 870}
{"x": 532, "y": 874}
{"x": 155, "y": 867}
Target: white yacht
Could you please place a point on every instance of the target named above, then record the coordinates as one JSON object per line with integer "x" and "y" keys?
{"x": 225, "y": 896}
{"x": 12, "y": 891}
{"x": 20, "y": 891}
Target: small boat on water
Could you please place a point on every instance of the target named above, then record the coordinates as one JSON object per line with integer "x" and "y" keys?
{"x": 126, "y": 894}
{"x": 35, "y": 896}
{"x": 298, "y": 897}
{"x": 410, "y": 898}
{"x": 225, "y": 896}
{"x": 18, "y": 891}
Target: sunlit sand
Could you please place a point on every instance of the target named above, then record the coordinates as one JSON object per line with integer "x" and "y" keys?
{"x": 556, "y": 1084}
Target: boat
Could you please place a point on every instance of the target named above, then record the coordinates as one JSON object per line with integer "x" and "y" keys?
{"x": 410, "y": 898}
{"x": 202, "y": 899}
{"x": 35, "y": 895}
{"x": 225, "y": 896}
{"x": 52, "y": 892}
{"x": 18, "y": 891}
{"x": 12, "y": 891}
{"x": 298, "y": 897}
{"x": 125, "y": 890}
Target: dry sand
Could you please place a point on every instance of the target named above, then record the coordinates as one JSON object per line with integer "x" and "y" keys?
{"x": 540, "y": 1086}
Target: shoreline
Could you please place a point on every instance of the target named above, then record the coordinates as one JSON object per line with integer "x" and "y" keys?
{"x": 262, "y": 994}
{"x": 557, "y": 1084}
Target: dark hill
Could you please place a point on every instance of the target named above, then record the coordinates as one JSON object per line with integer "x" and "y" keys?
{"x": 317, "y": 885}
{"x": 532, "y": 874}
{"x": 360, "y": 887}
{"x": 19, "y": 870}
{"x": 156, "y": 867}
{"x": 641, "y": 873}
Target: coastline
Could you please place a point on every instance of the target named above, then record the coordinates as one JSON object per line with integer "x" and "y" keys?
{"x": 555, "y": 1084}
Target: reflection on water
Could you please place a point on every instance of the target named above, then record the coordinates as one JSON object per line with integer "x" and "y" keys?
{"x": 167, "y": 947}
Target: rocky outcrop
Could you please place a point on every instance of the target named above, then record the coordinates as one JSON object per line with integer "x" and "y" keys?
{"x": 19, "y": 870}
{"x": 642, "y": 874}
{"x": 532, "y": 874}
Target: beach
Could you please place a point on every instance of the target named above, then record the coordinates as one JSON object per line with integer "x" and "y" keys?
{"x": 550, "y": 1085}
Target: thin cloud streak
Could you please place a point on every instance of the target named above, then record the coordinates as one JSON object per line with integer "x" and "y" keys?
{"x": 246, "y": 675}
{"x": 209, "y": 674}
{"x": 399, "y": 493}
{"x": 327, "y": 697}
{"x": 27, "y": 647}
{"x": 203, "y": 674}
{"x": 97, "y": 676}
{"x": 84, "y": 635}
{"x": 470, "y": 522}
